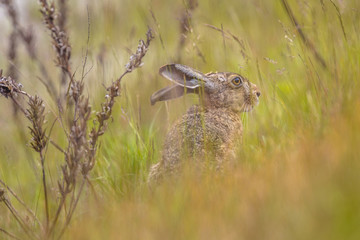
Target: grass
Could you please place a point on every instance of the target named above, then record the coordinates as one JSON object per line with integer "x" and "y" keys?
{"x": 297, "y": 173}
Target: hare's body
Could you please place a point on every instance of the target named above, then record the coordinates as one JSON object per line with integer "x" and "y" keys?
{"x": 200, "y": 135}
{"x": 205, "y": 135}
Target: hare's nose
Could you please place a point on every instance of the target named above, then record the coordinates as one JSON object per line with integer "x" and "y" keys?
{"x": 258, "y": 93}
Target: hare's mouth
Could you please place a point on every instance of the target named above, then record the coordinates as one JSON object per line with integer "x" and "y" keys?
{"x": 248, "y": 108}
{"x": 249, "y": 105}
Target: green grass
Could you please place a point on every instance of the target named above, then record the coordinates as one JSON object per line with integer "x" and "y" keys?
{"x": 297, "y": 173}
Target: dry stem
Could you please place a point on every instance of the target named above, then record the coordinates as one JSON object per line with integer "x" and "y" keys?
{"x": 303, "y": 37}
{"x": 9, "y": 234}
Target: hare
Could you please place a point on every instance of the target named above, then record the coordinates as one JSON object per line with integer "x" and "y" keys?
{"x": 206, "y": 131}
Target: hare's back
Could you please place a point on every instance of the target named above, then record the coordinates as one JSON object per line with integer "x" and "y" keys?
{"x": 201, "y": 132}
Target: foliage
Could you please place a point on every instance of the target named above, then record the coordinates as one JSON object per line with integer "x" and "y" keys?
{"x": 297, "y": 171}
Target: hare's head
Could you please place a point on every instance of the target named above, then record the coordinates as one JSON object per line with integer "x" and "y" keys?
{"x": 218, "y": 90}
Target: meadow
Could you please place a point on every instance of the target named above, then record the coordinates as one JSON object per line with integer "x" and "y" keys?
{"x": 92, "y": 136}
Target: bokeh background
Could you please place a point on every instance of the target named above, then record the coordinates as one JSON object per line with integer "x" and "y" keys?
{"x": 297, "y": 174}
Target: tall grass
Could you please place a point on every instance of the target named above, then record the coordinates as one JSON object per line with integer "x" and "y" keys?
{"x": 297, "y": 173}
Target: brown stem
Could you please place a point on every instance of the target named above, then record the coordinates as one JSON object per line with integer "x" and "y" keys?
{"x": 87, "y": 46}
{"x": 340, "y": 19}
{"x": 67, "y": 72}
{"x": 9, "y": 234}
{"x": 92, "y": 189}
{"x": 45, "y": 190}
{"x": 21, "y": 202}
{"x": 18, "y": 218}
{"x": 18, "y": 105}
{"x": 72, "y": 209}
{"x": 57, "y": 146}
{"x": 57, "y": 214}
{"x": 303, "y": 37}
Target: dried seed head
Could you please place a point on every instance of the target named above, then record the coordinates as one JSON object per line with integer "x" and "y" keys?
{"x": 36, "y": 115}
{"x": 8, "y": 86}
{"x": 76, "y": 90}
{"x": 136, "y": 59}
{"x": 60, "y": 38}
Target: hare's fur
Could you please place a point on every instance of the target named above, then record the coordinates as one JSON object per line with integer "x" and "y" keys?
{"x": 207, "y": 131}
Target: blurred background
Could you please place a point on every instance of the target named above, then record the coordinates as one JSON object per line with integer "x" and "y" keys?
{"x": 297, "y": 170}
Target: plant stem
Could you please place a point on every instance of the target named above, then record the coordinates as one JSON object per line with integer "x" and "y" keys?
{"x": 22, "y": 203}
{"x": 57, "y": 214}
{"x": 72, "y": 208}
{"x": 18, "y": 218}
{"x": 9, "y": 234}
{"x": 45, "y": 190}
{"x": 303, "y": 37}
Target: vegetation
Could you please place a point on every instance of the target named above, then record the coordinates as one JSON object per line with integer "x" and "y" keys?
{"x": 79, "y": 134}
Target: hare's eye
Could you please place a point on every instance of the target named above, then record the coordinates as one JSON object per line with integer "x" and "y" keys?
{"x": 237, "y": 81}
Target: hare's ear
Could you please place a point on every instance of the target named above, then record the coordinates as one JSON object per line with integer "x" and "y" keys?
{"x": 183, "y": 75}
{"x": 169, "y": 93}
{"x": 186, "y": 79}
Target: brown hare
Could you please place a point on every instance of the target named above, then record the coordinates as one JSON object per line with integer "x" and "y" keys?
{"x": 206, "y": 131}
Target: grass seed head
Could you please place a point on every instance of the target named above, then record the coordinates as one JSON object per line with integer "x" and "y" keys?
{"x": 8, "y": 86}
{"x": 136, "y": 59}
{"x": 36, "y": 115}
